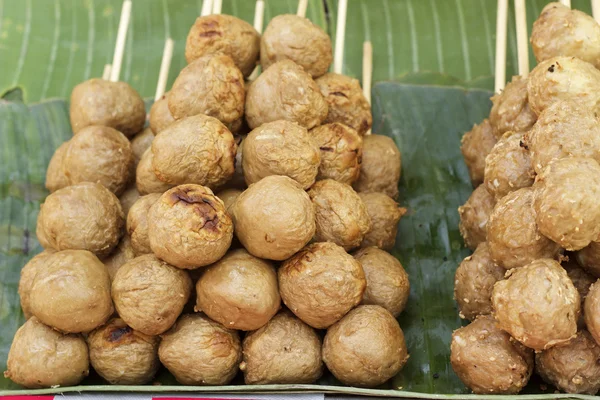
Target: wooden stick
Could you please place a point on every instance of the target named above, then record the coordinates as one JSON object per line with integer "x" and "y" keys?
{"x": 259, "y": 14}
{"x": 522, "y": 42}
{"x": 367, "y": 71}
{"x": 106, "y": 72}
{"x": 501, "y": 21}
{"x": 566, "y": 3}
{"x": 596, "y": 10}
{"x": 165, "y": 65}
{"x": 302, "y": 6}
{"x": 207, "y": 6}
{"x": 217, "y": 6}
{"x": 340, "y": 32}
{"x": 115, "y": 70}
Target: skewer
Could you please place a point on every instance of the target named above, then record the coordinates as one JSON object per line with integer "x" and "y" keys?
{"x": 217, "y": 6}
{"x": 522, "y": 42}
{"x": 340, "y": 32}
{"x": 106, "y": 72}
{"x": 566, "y": 3}
{"x": 165, "y": 65}
{"x": 121, "y": 38}
{"x": 302, "y": 6}
{"x": 367, "y": 71}
{"x": 500, "y": 70}
{"x": 259, "y": 12}
{"x": 596, "y": 10}
{"x": 207, "y": 6}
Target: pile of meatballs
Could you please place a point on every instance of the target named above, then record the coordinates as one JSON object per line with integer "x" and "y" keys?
{"x": 530, "y": 288}
{"x": 218, "y": 239}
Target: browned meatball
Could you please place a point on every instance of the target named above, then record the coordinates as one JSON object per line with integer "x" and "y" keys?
{"x": 140, "y": 143}
{"x": 474, "y": 216}
{"x": 589, "y": 258}
{"x": 28, "y": 273}
{"x": 385, "y": 215}
{"x": 122, "y": 254}
{"x": 591, "y": 311}
{"x": 510, "y": 109}
{"x": 381, "y": 166}
{"x": 56, "y": 178}
{"x": 146, "y": 180}
{"x": 160, "y": 115}
{"x": 341, "y": 152}
{"x": 137, "y": 223}
{"x": 475, "y": 146}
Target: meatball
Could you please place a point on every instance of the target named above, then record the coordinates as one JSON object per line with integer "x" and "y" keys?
{"x": 122, "y": 254}
{"x": 475, "y": 145}
{"x": 85, "y": 305}
{"x": 137, "y": 223}
{"x": 537, "y": 305}
{"x": 566, "y": 202}
{"x": 239, "y": 291}
{"x": 84, "y": 216}
{"x": 274, "y": 218}
{"x": 347, "y": 103}
{"x": 56, "y": 178}
{"x": 285, "y": 91}
{"x": 290, "y": 37}
{"x": 387, "y": 281}
{"x": 189, "y": 227}
{"x": 582, "y": 282}
{"x": 280, "y": 148}
{"x": 146, "y": 180}
{"x": 381, "y": 166}
{"x": 385, "y": 215}
{"x": 341, "y": 152}
{"x": 589, "y": 258}
{"x": 474, "y": 216}
{"x": 591, "y": 311}
{"x": 473, "y": 283}
{"x": 224, "y": 34}
{"x": 41, "y": 357}
{"x": 198, "y": 351}
{"x": 510, "y": 109}
{"x": 306, "y": 279}
{"x": 160, "y": 115}
{"x": 128, "y": 198}
{"x": 122, "y": 355}
{"x": 512, "y": 233}
{"x": 341, "y": 215}
{"x": 28, "y": 273}
{"x": 561, "y": 31}
{"x": 149, "y": 294}
{"x": 140, "y": 143}
{"x": 113, "y": 104}
{"x": 196, "y": 149}
{"x": 487, "y": 360}
{"x": 365, "y": 348}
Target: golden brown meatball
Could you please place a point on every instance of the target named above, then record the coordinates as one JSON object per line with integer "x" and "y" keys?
{"x": 475, "y": 145}
{"x": 306, "y": 279}
{"x": 122, "y": 254}
{"x": 365, "y": 348}
{"x": 285, "y": 91}
{"x": 122, "y": 355}
{"x": 347, "y": 103}
{"x": 487, "y": 360}
{"x": 41, "y": 357}
{"x": 189, "y": 227}
{"x": 566, "y": 202}
{"x": 381, "y": 166}
{"x": 128, "y": 198}
{"x": 160, "y": 115}
{"x": 274, "y": 218}
{"x": 228, "y": 197}
{"x": 591, "y": 311}
{"x": 84, "y": 216}
{"x": 474, "y": 216}
{"x": 198, "y": 351}
{"x": 140, "y": 143}
{"x": 137, "y": 223}
{"x": 281, "y": 148}
{"x": 71, "y": 293}
{"x": 473, "y": 283}
{"x": 387, "y": 281}
{"x": 105, "y": 103}
{"x": 537, "y": 305}
{"x": 149, "y": 294}
{"x": 28, "y": 273}
{"x": 290, "y": 37}
{"x": 561, "y": 31}
{"x": 589, "y": 258}
{"x": 146, "y": 180}
{"x": 510, "y": 109}
{"x": 224, "y": 34}
{"x": 385, "y": 215}
{"x": 341, "y": 152}
{"x": 55, "y": 174}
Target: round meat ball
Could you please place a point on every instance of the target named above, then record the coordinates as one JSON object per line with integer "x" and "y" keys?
{"x": 160, "y": 115}
{"x": 285, "y": 92}
{"x": 365, "y": 348}
{"x": 537, "y": 305}
{"x": 56, "y": 178}
{"x": 589, "y": 259}
{"x": 239, "y": 291}
{"x": 149, "y": 294}
{"x": 582, "y": 282}
{"x": 385, "y": 215}
{"x": 341, "y": 152}
{"x": 228, "y": 197}
{"x": 508, "y": 166}
{"x": 128, "y": 198}
{"x": 573, "y": 367}
{"x": 274, "y": 218}
{"x": 566, "y": 202}
{"x": 290, "y": 37}
{"x": 122, "y": 355}
{"x": 473, "y": 283}
{"x": 84, "y": 216}
{"x": 563, "y": 78}
{"x": 28, "y": 273}
{"x": 41, "y": 357}
{"x": 591, "y": 311}
{"x": 475, "y": 145}
{"x": 284, "y": 351}
{"x": 347, "y": 103}
{"x": 381, "y": 166}
{"x": 210, "y": 85}
{"x": 104, "y": 103}
{"x": 137, "y": 223}
{"x": 199, "y": 351}
{"x": 224, "y": 34}
{"x": 189, "y": 227}
{"x": 561, "y": 31}
{"x": 196, "y": 149}
{"x": 474, "y": 216}
{"x": 340, "y": 214}
{"x": 122, "y": 254}
{"x": 146, "y": 180}
{"x": 99, "y": 154}
{"x": 71, "y": 293}
{"x": 281, "y": 148}
{"x": 387, "y": 281}
{"x": 512, "y": 233}
{"x": 306, "y": 279}
{"x": 140, "y": 143}
{"x": 487, "y": 360}
{"x": 510, "y": 109}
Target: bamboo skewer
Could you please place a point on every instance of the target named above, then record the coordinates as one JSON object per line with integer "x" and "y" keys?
{"x": 596, "y": 10}
{"x": 522, "y": 43}
{"x": 106, "y": 72}
{"x": 500, "y": 69}
{"x": 367, "y": 71}
{"x": 165, "y": 65}
{"x": 217, "y": 6}
{"x": 340, "y": 32}
{"x": 259, "y": 14}
{"x": 115, "y": 70}
{"x": 207, "y": 6}
{"x": 302, "y": 6}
